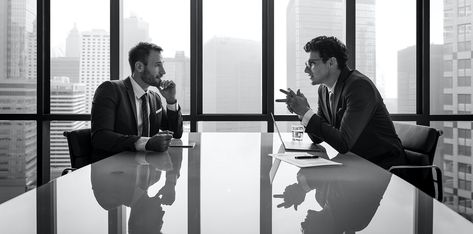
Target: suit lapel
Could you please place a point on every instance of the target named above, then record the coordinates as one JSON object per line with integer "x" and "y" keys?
{"x": 338, "y": 92}
{"x": 131, "y": 99}
{"x": 326, "y": 106}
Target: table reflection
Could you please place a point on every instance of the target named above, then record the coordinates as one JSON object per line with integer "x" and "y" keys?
{"x": 349, "y": 196}
{"x": 125, "y": 179}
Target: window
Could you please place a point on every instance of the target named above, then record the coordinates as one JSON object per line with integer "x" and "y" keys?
{"x": 448, "y": 165}
{"x": 143, "y": 22}
{"x": 232, "y": 56}
{"x": 464, "y": 98}
{"x": 464, "y": 184}
{"x": 394, "y": 69}
{"x": 73, "y": 83}
{"x": 296, "y": 23}
{"x": 464, "y": 150}
{"x": 465, "y": 168}
{"x": 464, "y": 81}
{"x": 464, "y": 8}
{"x": 464, "y": 35}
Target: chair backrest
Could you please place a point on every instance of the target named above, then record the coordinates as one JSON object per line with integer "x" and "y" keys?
{"x": 420, "y": 143}
{"x": 80, "y": 147}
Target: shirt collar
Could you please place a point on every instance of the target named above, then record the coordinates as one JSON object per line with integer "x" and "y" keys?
{"x": 332, "y": 89}
{"x": 137, "y": 90}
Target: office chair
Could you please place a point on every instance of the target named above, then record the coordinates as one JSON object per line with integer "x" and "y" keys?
{"x": 419, "y": 144}
{"x": 80, "y": 148}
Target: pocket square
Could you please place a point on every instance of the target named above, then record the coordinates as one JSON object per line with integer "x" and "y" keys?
{"x": 160, "y": 109}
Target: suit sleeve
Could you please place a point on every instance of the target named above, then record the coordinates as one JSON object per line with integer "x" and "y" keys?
{"x": 319, "y": 113}
{"x": 172, "y": 120}
{"x": 361, "y": 104}
{"x": 103, "y": 122}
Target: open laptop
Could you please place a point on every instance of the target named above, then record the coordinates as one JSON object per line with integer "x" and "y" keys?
{"x": 296, "y": 145}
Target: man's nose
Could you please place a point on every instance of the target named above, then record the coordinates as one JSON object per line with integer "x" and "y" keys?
{"x": 307, "y": 70}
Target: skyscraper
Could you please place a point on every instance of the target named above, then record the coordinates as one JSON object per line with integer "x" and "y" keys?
{"x": 94, "y": 62}
{"x": 73, "y": 43}
{"x": 457, "y": 141}
{"x": 66, "y": 66}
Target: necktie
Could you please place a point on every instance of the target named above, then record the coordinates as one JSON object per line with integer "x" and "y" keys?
{"x": 144, "y": 115}
{"x": 331, "y": 101}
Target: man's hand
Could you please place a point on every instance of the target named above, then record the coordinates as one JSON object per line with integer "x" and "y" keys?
{"x": 159, "y": 142}
{"x": 168, "y": 194}
{"x": 299, "y": 103}
{"x": 296, "y": 102}
{"x": 167, "y": 88}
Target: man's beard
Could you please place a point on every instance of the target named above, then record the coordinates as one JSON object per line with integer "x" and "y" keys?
{"x": 149, "y": 79}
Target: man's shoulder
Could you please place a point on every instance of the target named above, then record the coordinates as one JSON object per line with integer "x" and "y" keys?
{"x": 357, "y": 78}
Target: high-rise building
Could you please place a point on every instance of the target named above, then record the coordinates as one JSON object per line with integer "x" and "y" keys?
{"x": 94, "y": 62}
{"x": 66, "y": 98}
{"x": 457, "y": 140}
{"x": 73, "y": 43}
{"x": 407, "y": 82}
{"x": 135, "y": 30}
{"x": 18, "y": 44}
{"x": 66, "y": 66}
{"x": 17, "y": 139}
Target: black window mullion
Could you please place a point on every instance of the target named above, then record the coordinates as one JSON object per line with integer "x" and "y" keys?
{"x": 268, "y": 61}
{"x": 115, "y": 13}
{"x": 196, "y": 62}
{"x": 43, "y": 94}
{"x": 351, "y": 32}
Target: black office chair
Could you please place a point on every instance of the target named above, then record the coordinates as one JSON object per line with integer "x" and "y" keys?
{"x": 419, "y": 144}
{"x": 80, "y": 148}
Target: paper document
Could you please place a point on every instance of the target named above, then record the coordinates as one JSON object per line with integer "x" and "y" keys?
{"x": 311, "y": 162}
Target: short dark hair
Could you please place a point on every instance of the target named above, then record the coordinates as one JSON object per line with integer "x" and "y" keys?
{"x": 140, "y": 53}
{"x": 328, "y": 47}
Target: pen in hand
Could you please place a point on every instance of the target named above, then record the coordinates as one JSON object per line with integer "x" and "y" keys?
{"x": 306, "y": 157}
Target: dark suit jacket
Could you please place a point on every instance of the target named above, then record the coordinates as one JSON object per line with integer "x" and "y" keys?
{"x": 360, "y": 123}
{"x": 114, "y": 127}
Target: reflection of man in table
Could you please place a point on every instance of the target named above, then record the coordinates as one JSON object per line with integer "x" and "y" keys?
{"x": 125, "y": 180}
{"x": 349, "y": 198}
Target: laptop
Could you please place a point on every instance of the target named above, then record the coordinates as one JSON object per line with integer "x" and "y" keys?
{"x": 296, "y": 145}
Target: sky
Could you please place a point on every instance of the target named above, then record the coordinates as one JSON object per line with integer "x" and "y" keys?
{"x": 170, "y": 26}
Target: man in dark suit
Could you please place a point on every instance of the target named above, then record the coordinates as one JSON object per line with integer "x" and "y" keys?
{"x": 127, "y": 116}
{"x": 351, "y": 114}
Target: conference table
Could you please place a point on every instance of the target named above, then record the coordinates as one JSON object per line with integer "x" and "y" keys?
{"x": 227, "y": 183}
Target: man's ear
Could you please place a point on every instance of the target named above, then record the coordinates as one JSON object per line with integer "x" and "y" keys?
{"x": 139, "y": 66}
{"x": 333, "y": 62}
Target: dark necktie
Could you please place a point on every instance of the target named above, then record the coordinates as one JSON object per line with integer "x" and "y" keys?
{"x": 331, "y": 101}
{"x": 144, "y": 115}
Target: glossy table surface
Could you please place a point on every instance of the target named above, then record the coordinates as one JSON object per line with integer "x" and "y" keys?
{"x": 223, "y": 185}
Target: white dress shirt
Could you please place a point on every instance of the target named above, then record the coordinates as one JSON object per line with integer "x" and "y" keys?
{"x": 308, "y": 115}
{"x": 138, "y": 91}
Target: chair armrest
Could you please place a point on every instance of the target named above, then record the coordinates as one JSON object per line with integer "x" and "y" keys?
{"x": 438, "y": 173}
{"x": 67, "y": 171}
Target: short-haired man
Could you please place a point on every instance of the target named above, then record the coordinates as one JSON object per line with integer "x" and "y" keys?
{"x": 351, "y": 114}
{"x": 127, "y": 116}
